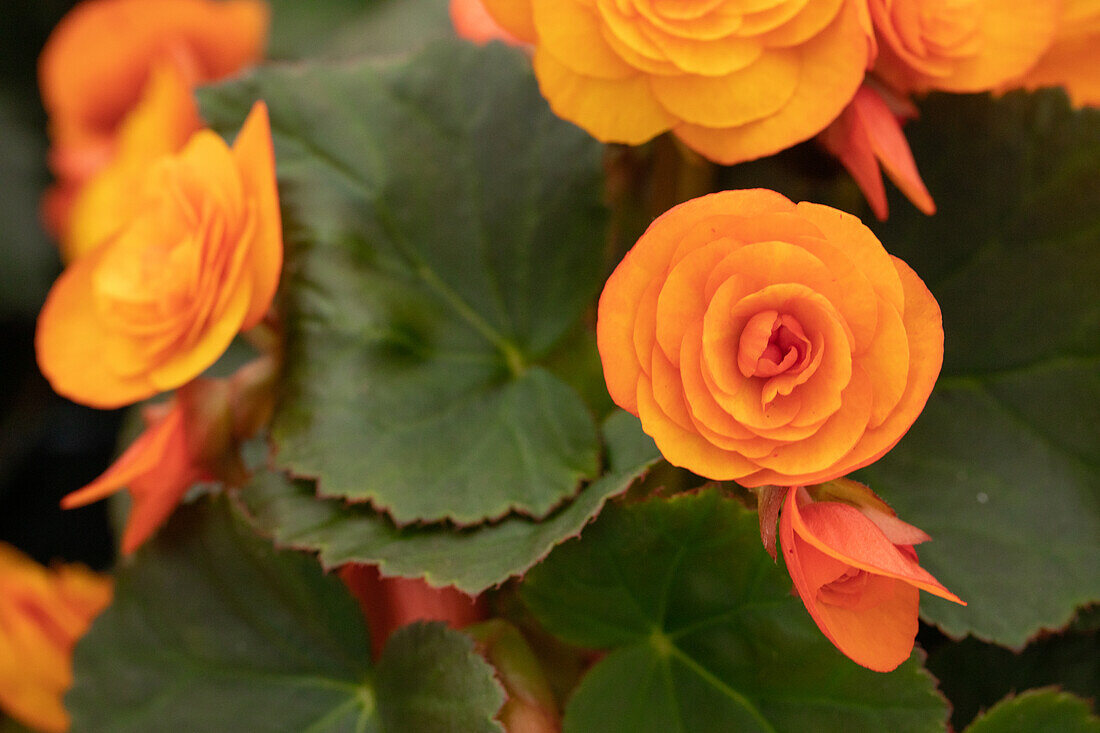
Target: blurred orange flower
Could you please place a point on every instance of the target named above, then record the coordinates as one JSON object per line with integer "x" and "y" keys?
{"x": 1073, "y": 59}
{"x": 765, "y": 342}
{"x": 867, "y": 134}
{"x": 159, "y": 302}
{"x": 733, "y": 80}
{"x": 960, "y": 45}
{"x": 853, "y": 564}
{"x": 108, "y": 59}
{"x": 193, "y": 437}
{"x": 42, "y": 614}
{"x": 472, "y": 21}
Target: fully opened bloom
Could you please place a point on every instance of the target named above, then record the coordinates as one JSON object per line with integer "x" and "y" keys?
{"x": 107, "y": 59}
{"x": 867, "y": 134}
{"x": 159, "y": 302}
{"x": 854, "y": 567}
{"x": 734, "y": 79}
{"x": 960, "y": 45}
{"x": 767, "y": 342}
{"x": 42, "y": 614}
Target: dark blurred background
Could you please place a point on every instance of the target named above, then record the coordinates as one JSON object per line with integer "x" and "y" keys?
{"x": 48, "y": 446}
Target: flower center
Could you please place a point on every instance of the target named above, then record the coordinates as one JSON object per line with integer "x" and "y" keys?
{"x": 847, "y": 590}
{"x": 772, "y": 343}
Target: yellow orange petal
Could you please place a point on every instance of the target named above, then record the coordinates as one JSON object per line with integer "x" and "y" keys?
{"x": 515, "y": 16}
{"x": 822, "y": 92}
{"x": 611, "y": 110}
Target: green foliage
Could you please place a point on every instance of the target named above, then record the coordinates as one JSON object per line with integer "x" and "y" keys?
{"x": 471, "y": 559}
{"x": 1003, "y": 467}
{"x": 1038, "y": 711}
{"x": 703, "y": 633}
{"x": 445, "y": 233}
{"x": 211, "y": 628}
{"x": 349, "y": 28}
{"x": 430, "y": 679}
{"x": 975, "y": 675}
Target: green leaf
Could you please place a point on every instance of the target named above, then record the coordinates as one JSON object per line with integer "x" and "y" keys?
{"x": 444, "y": 234}
{"x": 348, "y": 28}
{"x": 975, "y": 675}
{"x": 1038, "y": 711}
{"x": 704, "y": 634}
{"x": 1003, "y": 467}
{"x": 212, "y": 629}
{"x": 430, "y": 679}
{"x": 471, "y": 559}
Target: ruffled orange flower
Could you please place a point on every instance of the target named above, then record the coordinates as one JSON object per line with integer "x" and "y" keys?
{"x": 734, "y": 79}
{"x": 854, "y": 567}
{"x": 868, "y": 133}
{"x": 1073, "y": 59}
{"x": 199, "y": 261}
{"x": 107, "y": 58}
{"x": 42, "y": 614}
{"x": 960, "y": 45}
{"x": 472, "y": 21}
{"x": 765, "y": 342}
{"x": 193, "y": 437}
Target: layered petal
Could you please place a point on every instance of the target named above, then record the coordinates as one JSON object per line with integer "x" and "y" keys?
{"x": 735, "y": 80}
{"x": 860, "y": 587}
{"x": 765, "y": 342}
{"x": 159, "y": 302}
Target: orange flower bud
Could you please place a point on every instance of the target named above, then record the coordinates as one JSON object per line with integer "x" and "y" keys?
{"x": 101, "y": 62}
{"x": 867, "y": 133}
{"x": 765, "y": 342}
{"x": 159, "y": 303}
{"x": 960, "y": 46}
{"x": 733, "y": 81}
{"x": 42, "y": 614}
{"x": 193, "y": 437}
{"x": 855, "y": 569}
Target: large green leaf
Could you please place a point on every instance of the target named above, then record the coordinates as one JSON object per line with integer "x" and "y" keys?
{"x": 704, "y": 634}
{"x": 444, "y": 234}
{"x": 1038, "y": 711}
{"x": 1003, "y": 467}
{"x": 472, "y": 559}
{"x": 212, "y": 629}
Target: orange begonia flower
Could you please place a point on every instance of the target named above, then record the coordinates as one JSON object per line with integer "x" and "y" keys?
{"x": 193, "y": 437}
{"x": 391, "y": 602}
{"x": 160, "y": 301}
{"x": 960, "y": 46}
{"x": 42, "y": 614}
{"x": 733, "y": 80}
{"x": 854, "y": 566}
{"x": 1073, "y": 59}
{"x": 108, "y": 58}
{"x": 765, "y": 342}
{"x": 867, "y": 133}
{"x": 472, "y": 21}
